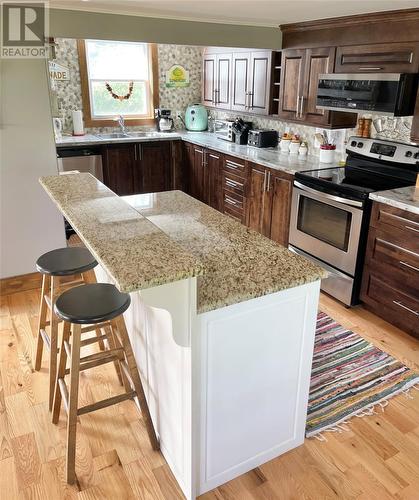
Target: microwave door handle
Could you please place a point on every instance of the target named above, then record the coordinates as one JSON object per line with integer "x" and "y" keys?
{"x": 326, "y": 196}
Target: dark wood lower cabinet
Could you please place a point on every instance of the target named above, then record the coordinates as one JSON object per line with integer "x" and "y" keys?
{"x": 142, "y": 167}
{"x": 269, "y": 203}
{"x": 390, "y": 283}
{"x": 119, "y": 166}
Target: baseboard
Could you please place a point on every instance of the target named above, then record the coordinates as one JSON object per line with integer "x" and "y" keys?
{"x": 21, "y": 283}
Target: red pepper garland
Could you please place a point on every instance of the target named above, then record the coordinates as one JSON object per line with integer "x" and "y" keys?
{"x": 120, "y": 97}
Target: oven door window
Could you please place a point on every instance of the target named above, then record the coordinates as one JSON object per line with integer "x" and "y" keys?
{"x": 324, "y": 222}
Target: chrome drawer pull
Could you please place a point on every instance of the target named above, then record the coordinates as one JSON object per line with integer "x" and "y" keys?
{"x": 398, "y": 303}
{"x": 233, "y": 184}
{"x": 371, "y": 68}
{"x": 409, "y": 265}
{"x": 412, "y": 229}
{"x": 214, "y": 156}
{"x": 232, "y": 164}
{"x": 231, "y": 202}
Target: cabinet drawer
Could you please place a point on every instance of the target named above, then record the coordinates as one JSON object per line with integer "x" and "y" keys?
{"x": 234, "y": 201}
{"x": 238, "y": 215}
{"x": 233, "y": 183}
{"x": 396, "y": 264}
{"x": 378, "y": 58}
{"x": 234, "y": 165}
{"x": 391, "y": 303}
{"x": 402, "y": 226}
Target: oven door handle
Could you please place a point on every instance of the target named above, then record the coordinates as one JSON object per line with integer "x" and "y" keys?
{"x": 345, "y": 201}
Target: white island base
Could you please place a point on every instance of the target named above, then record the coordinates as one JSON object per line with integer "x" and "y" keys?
{"x": 227, "y": 389}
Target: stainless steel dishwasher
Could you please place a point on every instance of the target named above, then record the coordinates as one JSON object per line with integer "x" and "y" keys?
{"x": 83, "y": 159}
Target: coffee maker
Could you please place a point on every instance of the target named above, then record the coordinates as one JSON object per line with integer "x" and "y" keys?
{"x": 165, "y": 122}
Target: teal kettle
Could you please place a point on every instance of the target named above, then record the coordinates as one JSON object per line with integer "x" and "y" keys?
{"x": 196, "y": 118}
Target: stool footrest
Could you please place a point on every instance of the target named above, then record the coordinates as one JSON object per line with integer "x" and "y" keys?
{"x": 64, "y": 392}
{"x": 94, "y": 327}
{"x": 45, "y": 338}
{"x": 92, "y": 340}
{"x": 106, "y": 402}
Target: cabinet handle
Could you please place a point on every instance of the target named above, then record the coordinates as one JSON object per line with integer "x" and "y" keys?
{"x": 409, "y": 266}
{"x": 264, "y": 182}
{"x": 231, "y": 164}
{"x": 297, "y": 106}
{"x": 412, "y": 229}
{"x": 371, "y": 68}
{"x": 268, "y": 184}
{"x": 214, "y": 156}
{"x": 213, "y": 97}
{"x": 234, "y": 184}
{"x": 135, "y": 152}
{"x": 140, "y": 152}
{"x": 246, "y": 100}
{"x": 301, "y": 106}
{"x": 251, "y": 100}
{"x": 231, "y": 202}
{"x": 398, "y": 303}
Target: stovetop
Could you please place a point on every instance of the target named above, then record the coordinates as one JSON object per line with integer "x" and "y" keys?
{"x": 364, "y": 172}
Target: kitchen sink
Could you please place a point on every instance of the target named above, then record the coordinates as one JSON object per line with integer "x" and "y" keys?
{"x": 142, "y": 134}
{"x": 114, "y": 135}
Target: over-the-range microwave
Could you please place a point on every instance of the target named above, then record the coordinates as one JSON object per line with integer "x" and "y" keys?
{"x": 392, "y": 94}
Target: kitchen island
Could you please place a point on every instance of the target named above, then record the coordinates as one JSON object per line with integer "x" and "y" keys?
{"x": 222, "y": 323}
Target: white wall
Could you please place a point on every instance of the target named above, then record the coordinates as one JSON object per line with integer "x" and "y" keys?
{"x": 29, "y": 222}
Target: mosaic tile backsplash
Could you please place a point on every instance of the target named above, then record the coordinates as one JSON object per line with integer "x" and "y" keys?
{"x": 177, "y": 99}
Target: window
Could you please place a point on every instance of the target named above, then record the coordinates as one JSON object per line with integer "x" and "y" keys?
{"x": 117, "y": 78}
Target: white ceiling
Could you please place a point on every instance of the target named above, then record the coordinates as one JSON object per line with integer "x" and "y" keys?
{"x": 251, "y": 12}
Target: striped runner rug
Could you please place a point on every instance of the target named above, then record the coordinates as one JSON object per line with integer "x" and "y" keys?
{"x": 349, "y": 377}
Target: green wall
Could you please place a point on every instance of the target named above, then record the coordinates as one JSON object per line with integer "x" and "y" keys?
{"x": 82, "y": 24}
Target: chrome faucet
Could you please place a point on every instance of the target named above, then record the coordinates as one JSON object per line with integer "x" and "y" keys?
{"x": 121, "y": 123}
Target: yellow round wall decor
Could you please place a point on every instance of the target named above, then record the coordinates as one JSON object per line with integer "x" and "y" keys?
{"x": 177, "y": 76}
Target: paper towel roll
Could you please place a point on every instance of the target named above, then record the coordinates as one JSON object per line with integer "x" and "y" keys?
{"x": 78, "y": 128}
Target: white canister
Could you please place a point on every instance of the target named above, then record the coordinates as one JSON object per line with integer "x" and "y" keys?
{"x": 78, "y": 127}
{"x": 285, "y": 145}
{"x": 294, "y": 147}
{"x": 327, "y": 153}
{"x": 303, "y": 149}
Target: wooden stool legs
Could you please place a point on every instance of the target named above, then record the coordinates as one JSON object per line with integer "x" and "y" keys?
{"x": 121, "y": 354}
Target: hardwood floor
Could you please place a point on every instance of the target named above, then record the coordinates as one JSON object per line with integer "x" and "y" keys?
{"x": 378, "y": 458}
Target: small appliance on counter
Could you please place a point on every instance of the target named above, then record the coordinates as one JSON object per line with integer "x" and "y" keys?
{"x": 240, "y": 130}
{"x": 223, "y": 129}
{"x": 165, "y": 122}
{"x": 262, "y": 138}
{"x": 196, "y": 118}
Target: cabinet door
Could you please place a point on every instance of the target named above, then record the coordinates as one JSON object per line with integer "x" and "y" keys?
{"x": 317, "y": 61}
{"x": 213, "y": 162}
{"x": 259, "y": 201}
{"x": 198, "y": 183}
{"x": 281, "y": 188}
{"x": 292, "y": 76}
{"x": 153, "y": 173}
{"x": 240, "y": 81}
{"x": 400, "y": 57}
{"x": 119, "y": 165}
{"x": 260, "y": 74}
{"x": 223, "y": 79}
{"x": 208, "y": 79}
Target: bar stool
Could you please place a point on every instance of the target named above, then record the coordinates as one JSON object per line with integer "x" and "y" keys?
{"x": 54, "y": 265}
{"x": 101, "y": 305}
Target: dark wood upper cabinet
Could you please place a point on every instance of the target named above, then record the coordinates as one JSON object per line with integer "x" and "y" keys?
{"x": 240, "y": 81}
{"x": 317, "y": 61}
{"x": 154, "y": 168}
{"x": 292, "y": 80}
{"x": 119, "y": 165}
{"x": 378, "y": 58}
{"x": 299, "y": 79}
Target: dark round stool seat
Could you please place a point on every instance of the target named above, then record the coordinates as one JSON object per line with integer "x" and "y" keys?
{"x": 66, "y": 261}
{"x": 91, "y": 304}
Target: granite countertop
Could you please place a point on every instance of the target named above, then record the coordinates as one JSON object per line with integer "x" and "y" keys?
{"x": 147, "y": 240}
{"x": 406, "y": 198}
{"x": 132, "y": 250}
{"x": 239, "y": 263}
{"x": 268, "y": 157}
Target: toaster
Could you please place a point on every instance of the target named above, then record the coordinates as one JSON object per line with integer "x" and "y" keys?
{"x": 262, "y": 138}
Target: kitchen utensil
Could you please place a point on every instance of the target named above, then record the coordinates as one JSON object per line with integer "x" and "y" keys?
{"x": 196, "y": 118}
{"x": 319, "y": 137}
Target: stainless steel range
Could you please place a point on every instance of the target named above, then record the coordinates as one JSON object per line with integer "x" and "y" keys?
{"x": 330, "y": 209}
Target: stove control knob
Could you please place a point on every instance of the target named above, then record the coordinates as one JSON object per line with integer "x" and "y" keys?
{"x": 416, "y": 156}
{"x": 408, "y": 154}
{"x": 360, "y": 144}
{"x": 353, "y": 143}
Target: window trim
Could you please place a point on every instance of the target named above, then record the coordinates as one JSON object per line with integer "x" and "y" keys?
{"x": 85, "y": 92}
